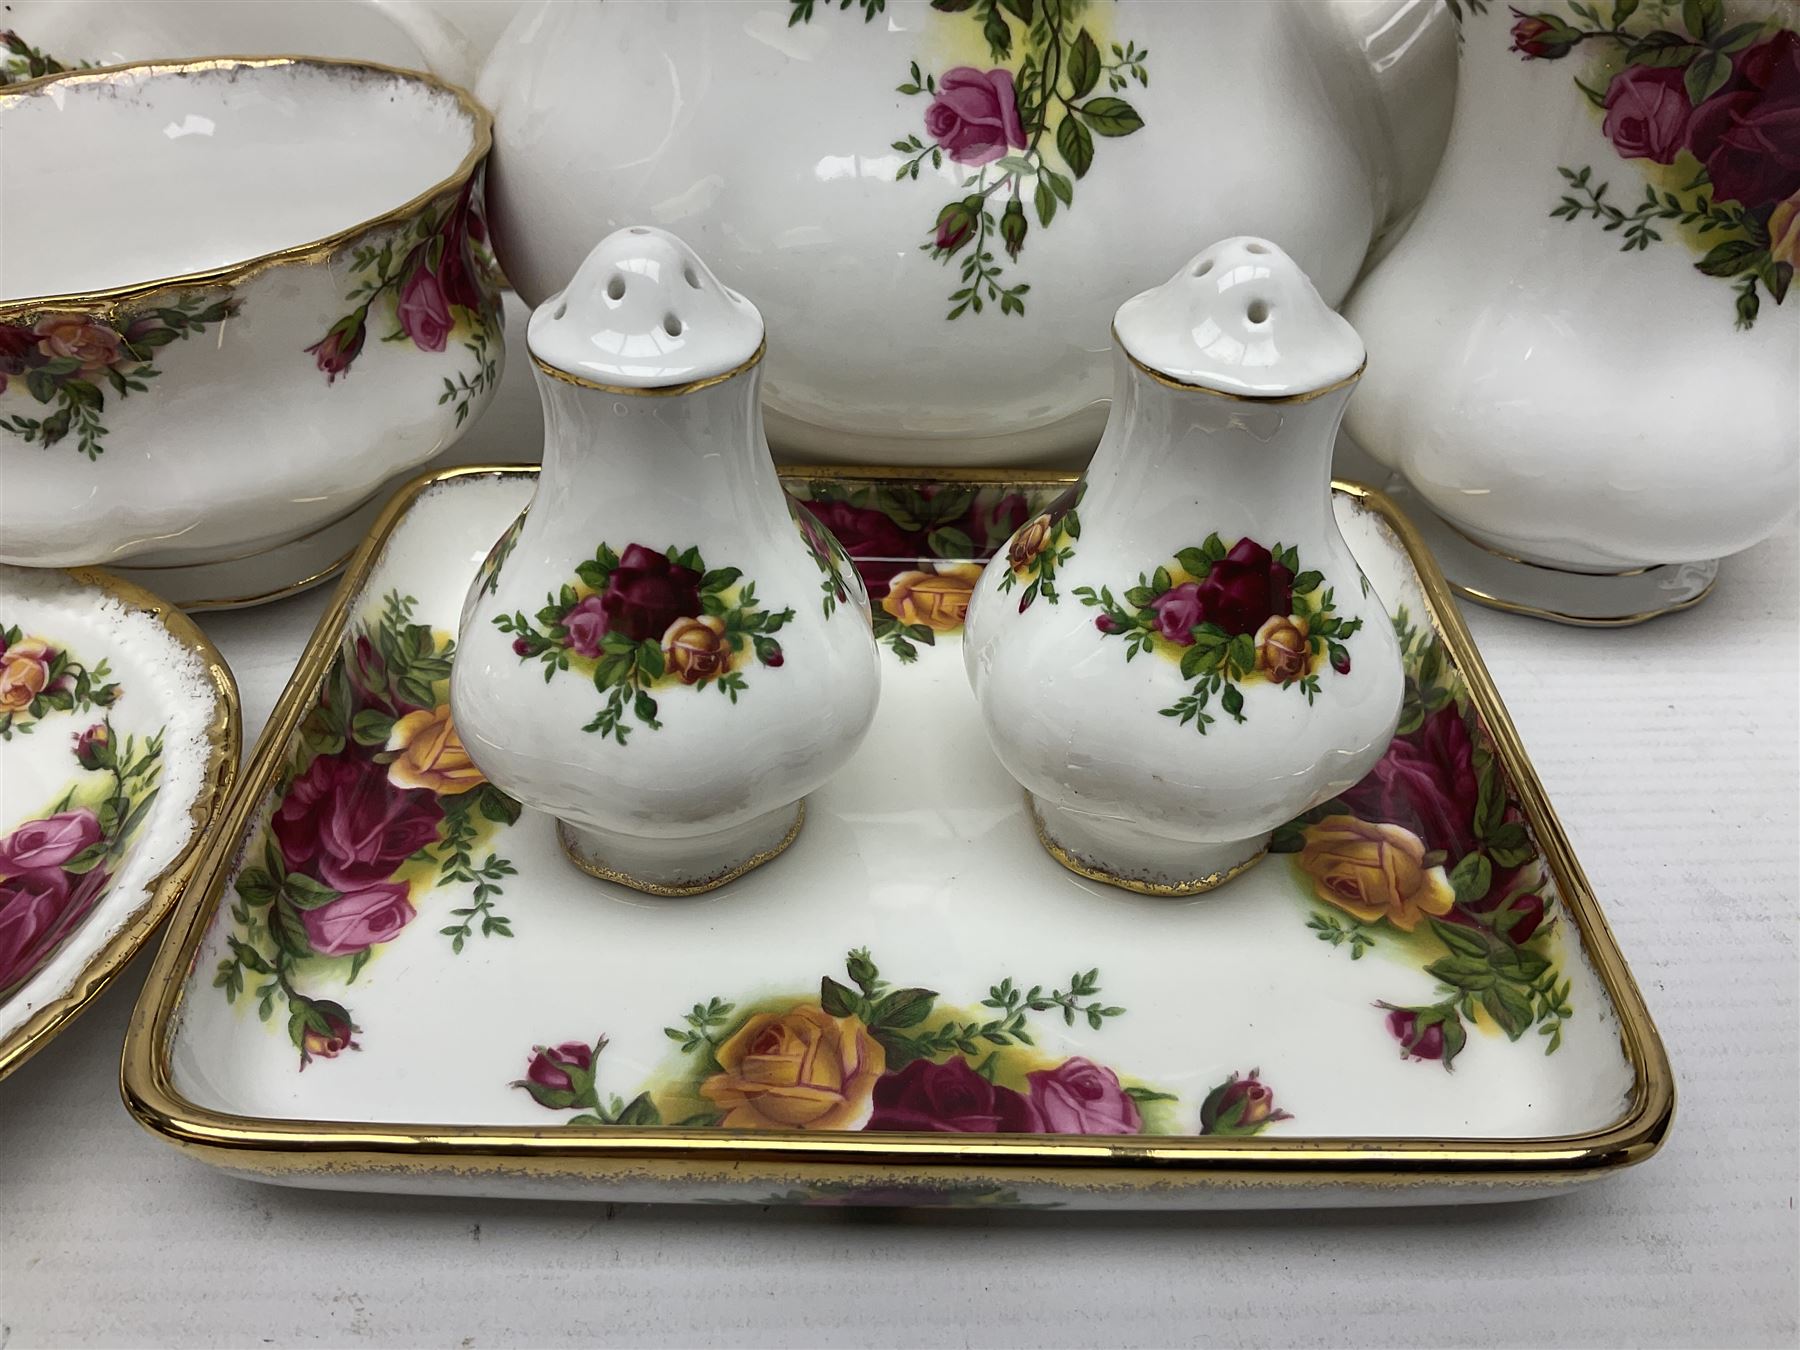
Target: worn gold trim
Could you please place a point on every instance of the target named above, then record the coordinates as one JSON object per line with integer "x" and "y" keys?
{"x": 109, "y": 299}
{"x": 611, "y": 874}
{"x": 654, "y": 390}
{"x": 1579, "y": 620}
{"x": 223, "y": 739}
{"x": 1165, "y": 889}
{"x": 1128, "y": 1168}
{"x": 1273, "y": 400}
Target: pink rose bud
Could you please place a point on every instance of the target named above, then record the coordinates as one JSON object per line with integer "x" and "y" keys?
{"x": 339, "y": 347}
{"x": 1543, "y": 37}
{"x": 956, "y": 225}
{"x": 1340, "y": 660}
{"x": 1105, "y": 624}
{"x": 336, "y": 1036}
{"x": 521, "y": 647}
{"x": 93, "y": 747}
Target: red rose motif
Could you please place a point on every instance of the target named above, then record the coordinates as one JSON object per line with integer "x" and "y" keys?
{"x": 359, "y": 919}
{"x": 975, "y": 116}
{"x": 457, "y": 273}
{"x": 1647, "y": 113}
{"x": 1245, "y": 587}
{"x": 49, "y": 842}
{"x": 423, "y": 310}
{"x": 1425, "y": 783}
{"x": 879, "y": 547}
{"x": 1748, "y": 134}
{"x": 1081, "y": 1097}
{"x": 344, "y": 820}
{"x": 1403, "y": 1026}
{"x": 38, "y": 910}
{"x": 549, "y": 1067}
{"x": 646, "y": 593}
{"x": 950, "y": 1099}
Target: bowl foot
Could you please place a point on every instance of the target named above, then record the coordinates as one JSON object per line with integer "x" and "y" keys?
{"x": 675, "y": 867}
{"x": 1120, "y": 854}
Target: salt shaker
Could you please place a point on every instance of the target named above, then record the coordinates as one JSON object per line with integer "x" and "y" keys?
{"x": 1182, "y": 654}
{"x": 658, "y": 652}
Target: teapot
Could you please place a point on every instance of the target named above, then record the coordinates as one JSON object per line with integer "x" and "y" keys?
{"x": 938, "y": 205}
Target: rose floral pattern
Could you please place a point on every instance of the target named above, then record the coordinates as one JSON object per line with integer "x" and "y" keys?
{"x": 70, "y": 362}
{"x": 1042, "y": 544}
{"x": 649, "y": 619}
{"x": 1023, "y": 127}
{"x": 54, "y": 868}
{"x": 437, "y": 280}
{"x": 1231, "y": 618}
{"x": 37, "y": 677}
{"x": 379, "y": 807}
{"x": 914, "y": 544}
{"x": 864, "y": 1055}
{"x": 1706, "y": 102}
{"x": 1429, "y": 858}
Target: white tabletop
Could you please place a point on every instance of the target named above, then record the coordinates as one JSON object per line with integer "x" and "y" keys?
{"x": 1673, "y": 754}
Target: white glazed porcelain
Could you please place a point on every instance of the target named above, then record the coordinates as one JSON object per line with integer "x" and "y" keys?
{"x": 118, "y": 743}
{"x": 658, "y": 654}
{"x": 919, "y": 857}
{"x": 1571, "y": 373}
{"x": 297, "y": 304}
{"x": 773, "y": 136}
{"x": 1189, "y": 656}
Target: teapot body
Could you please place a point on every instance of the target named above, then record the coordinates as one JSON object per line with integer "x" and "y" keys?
{"x": 939, "y": 212}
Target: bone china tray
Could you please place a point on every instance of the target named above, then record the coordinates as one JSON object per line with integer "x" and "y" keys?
{"x": 386, "y": 976}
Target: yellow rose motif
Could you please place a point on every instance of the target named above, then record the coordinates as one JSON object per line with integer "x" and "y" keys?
{"x": 1374, "y": 871}
{"x": 803, "y": 1069}
{"x": 1784, "y": 232}
{"x": 938, "y": 599}
{"x": 431, "y": 754}
{"x": 1028, "y": 543}
{"x": 24, "y": 673}
{"x": 696, "y": 649}
{"x": 1282, "y": 651}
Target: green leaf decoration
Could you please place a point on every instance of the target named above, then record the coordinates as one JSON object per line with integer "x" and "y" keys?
{"x": 1472, "y": 877}
{"x": 1083, "y": 65}
{"x": 1075, "y": 145}
{"x": 1110, "y": 116}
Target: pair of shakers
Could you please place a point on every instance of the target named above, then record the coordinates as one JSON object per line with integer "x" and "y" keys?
{"x": 667, "y": 655}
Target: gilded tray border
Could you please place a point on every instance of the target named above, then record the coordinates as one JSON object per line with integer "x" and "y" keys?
{"x": 1124, "y": 1167}
{"x": 224, "y": 739}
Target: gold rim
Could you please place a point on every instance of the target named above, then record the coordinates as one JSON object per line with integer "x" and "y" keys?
{"x": 655, "y": 390}
{"x": 1273, "y": 400}
{"x": 231, "y": 274}
{"x": 1162, "y": 889}
{"x": 750, "y": 864}
{"x": 1579, "y": 620}
{"x": 223, "y": 737}
{"x": 1131, "y": 1167}
{"x": 324, "y": 574}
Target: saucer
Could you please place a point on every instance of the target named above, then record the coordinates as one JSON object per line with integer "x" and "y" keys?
{"x": 118, "y": 743}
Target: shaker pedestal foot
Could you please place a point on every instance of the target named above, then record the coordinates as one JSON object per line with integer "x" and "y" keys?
{"x": 675, "y": 867}
{"x": 1120, "y": 854}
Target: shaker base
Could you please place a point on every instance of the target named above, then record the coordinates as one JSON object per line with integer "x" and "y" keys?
{"x": 1485, "y": 574}
{"x": 677, "y": 867}
{"x": 1120, "y": 854}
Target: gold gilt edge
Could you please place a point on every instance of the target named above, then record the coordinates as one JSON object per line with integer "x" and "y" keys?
{"x": 224, "y": 739}
{"x": 1123, "y": 1167}
{"x": 105, "y": 301}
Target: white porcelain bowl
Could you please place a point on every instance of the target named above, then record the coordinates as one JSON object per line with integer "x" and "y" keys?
{"x": 236, "y": 295}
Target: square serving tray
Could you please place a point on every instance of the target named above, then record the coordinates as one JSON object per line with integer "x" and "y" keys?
{"x": 498, "y": 1023}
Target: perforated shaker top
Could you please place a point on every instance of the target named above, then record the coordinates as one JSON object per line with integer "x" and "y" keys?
{"x": 1240, "y": 317}
{"x": 643, "y": 311}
